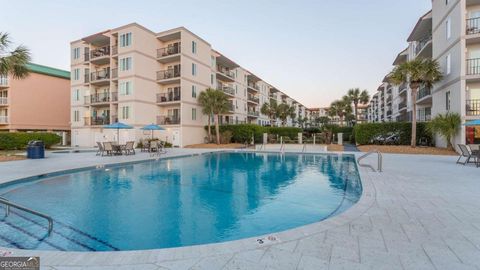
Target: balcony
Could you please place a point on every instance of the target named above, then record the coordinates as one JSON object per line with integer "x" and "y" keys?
{"x": 424, "y": 95}
{"x": 472, "y": 107}
{"x": 253, "y": 99}
{"x": 169, "y": 76}
{"x": 225, "y": 74}
{"x": 424, "y": 47}
{"x": 114, "y": 73}
{"x": 253, "y": 114}
{"x": 101, "y": 98}
{"x": 402, "y": 88}
{"x": 473, "y": 26}
{"x": 402, "y": 105}
{"x": 97, "y": 121}
{"x": 253, "y": 86}
{"x": 3, "y": 82}
{"x": 114, "y": 50}
{"x": 169, "y": 54}
{"x": 4, "y": 120}
{"x": 231, "y": 107}
{"x": 101, "y": 77}
{"x": 228, "y": 90}
{"x": 100, "y": 56}
{"x": 3, "y": 101}
{"x": 168, "y": 120}
{"x": 473, "y": 66}
{"x": 424, "y": 118}
{"x": 168, "y": 97}
{"x": 86, "y": 78}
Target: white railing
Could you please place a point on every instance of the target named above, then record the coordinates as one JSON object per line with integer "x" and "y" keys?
{"x": 3, "y": 119}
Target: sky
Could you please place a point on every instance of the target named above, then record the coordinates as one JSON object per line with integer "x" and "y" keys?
{"x": 314, "y": 51}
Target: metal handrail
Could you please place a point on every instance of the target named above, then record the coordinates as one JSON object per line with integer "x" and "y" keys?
{"x": 282, "y": 147}
{"x": 33, "y": 212}
{"x": 304, "y": 149}
{"x": 379, "y": 162}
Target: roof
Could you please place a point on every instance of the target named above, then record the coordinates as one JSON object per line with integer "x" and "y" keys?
{"x": 55, "y": 72}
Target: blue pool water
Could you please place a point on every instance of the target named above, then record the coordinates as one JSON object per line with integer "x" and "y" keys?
{"x": 179, "y": 202}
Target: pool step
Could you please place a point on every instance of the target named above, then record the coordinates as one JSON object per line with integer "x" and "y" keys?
{"x": 20, "y": 230}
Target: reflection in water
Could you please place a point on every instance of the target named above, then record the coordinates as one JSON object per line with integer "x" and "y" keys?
{"x": 188, "y": 201}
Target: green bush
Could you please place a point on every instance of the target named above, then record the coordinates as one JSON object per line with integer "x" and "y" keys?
{"x": 19, "y": 140}
{"x": 243, "y": 133}
{"x": 290, "y": 132}
{"x": 365, "y": 133}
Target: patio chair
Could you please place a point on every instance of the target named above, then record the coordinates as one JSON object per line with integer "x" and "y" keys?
{"x": 158, "y": 147}
{"x": 108, "y": 148}
{"x": 468, "y": 154}
{"x": 145, "y": 145}
{"x": 129, "y": 148}
{"x": 101, "y": 149}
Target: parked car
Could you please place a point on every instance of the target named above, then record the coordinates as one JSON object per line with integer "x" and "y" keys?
{"x": 392, "y": 139}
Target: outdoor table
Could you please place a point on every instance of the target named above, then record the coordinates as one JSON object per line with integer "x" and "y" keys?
{"x": 118, "y": 148}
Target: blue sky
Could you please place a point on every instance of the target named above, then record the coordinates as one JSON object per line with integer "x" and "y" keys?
{"x": 312, "y": 50}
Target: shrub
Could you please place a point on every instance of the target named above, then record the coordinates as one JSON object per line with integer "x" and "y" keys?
{"x": 290, "y": 132}
{"x": 226, "y": 136}
{"x": 243, "y": 133}
{"x": 365, "y": 133}
{"x": 19, "y": 140}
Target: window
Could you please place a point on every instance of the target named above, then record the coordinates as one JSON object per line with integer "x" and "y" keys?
{"x": 211, "y": 79}
{"x": 194, "y": 91}
{"x": 194, "y": 114}
{"x": 76, "y": 94}
{"x": 448, "y": 28}
{"x": 236, "y": 89}
{"x": 76, "y": 74}
{"x": 447, "y": 100}
{"x": 194, "y": 47}
{"x": 448, "y": 64}
{"x": 76, "y": 116}
{"x": 125, "y": 112}
{"x": 125, "y": 40}
{"x": 125, "y": 63}
{"x": 76, "y": 53}
{"x": 212, "y": 60}
{"x": 126, "y": 88}
{"x": 194, "y": 69}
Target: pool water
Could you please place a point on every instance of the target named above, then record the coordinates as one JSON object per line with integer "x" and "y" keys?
{"x": 179, "y": 202}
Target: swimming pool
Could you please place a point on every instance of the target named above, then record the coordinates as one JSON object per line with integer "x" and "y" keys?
{"x": 179, "y": 202}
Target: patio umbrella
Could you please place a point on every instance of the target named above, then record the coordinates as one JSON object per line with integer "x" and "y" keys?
{"x": 118, "y": 126}
{"x": 472, "y": 123}
{"x": 152, "y": 127}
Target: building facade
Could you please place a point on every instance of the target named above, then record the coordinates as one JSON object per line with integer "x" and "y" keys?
{"x": 133, "y": 75}
{"x": 39, "y": 102}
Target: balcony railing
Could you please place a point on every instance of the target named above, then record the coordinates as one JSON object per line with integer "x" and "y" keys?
{"x": 226, "y": 72}
{"x": 473, "y": 66}
{"x": 167, "y": 51}
{"x": 87, "y": 78}
{"x": 168, "y": 97}
{"x": 473, "y": 26}
{"x": 168, "y": 120}
{"x": 254, "y": 114}
{"x": 424, "y": 118}
{"x": 231, "y": 107}
{"x": 227, "y": 90}
{"x": 4, "y": 119}
{"x": 100, "y": 52}
{"x": 423, "y": 92}
{"x": 472, "y": 107}
{"x": 402, "y": 105}
{"x": 402, "y": 87}
{"x": 114, "y": 50}
{"x": 3, "y": 100}
{"x": 100, "y": 75}
{"x": 253, "y": 98}
{"x": 101, "y": 98}
{"x": 253, "y": 85}
{"x": 3, "y": 81}
{"x": 422, "y": 43}
{"x": 168, "y": 74}
{"x": 114, "y": 73}
{"x": 97, "y": 121}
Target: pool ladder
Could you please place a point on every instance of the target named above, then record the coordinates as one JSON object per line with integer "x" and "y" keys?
{"x": 9, "y": 204}
{"x": 379, "y": 160}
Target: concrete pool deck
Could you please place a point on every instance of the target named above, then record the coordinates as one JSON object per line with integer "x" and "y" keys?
{"x": 422, "y": 212}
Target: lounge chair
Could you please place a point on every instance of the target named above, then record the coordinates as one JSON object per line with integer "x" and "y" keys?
{"x": 157, "y": 148}
{"x": 468, "y": 154}
{"x": 101, "y": 149}
{"x": 108, "y": 148}
{"x": 129, "y": 148}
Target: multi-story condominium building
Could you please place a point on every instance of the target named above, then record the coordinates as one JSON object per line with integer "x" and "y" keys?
{"x": 394, "y": 102}
{"x": 362, "y": 111}
{"x": 456, "y": 46}
{"x": 133, "y": 75}
{"x": 39, "y": 102}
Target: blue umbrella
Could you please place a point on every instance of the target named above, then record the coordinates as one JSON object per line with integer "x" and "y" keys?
{"x": 152, "y": 127}
{"x": 472, "y": 123}
{"x": 118, "y": 126}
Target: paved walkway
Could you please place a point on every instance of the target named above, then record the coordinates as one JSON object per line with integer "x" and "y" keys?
{"x": 422, "y": 212}
{"x": 350, "y": 148}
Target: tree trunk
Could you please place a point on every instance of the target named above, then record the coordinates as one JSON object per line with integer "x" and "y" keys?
{"x": 217, "y": 128}
{"x": 414, "y": 117}
{"x": 209, "y": 128}
{"x": 355, "y": 105}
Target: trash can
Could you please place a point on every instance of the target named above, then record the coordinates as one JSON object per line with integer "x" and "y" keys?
{"x": 35, "y": 149}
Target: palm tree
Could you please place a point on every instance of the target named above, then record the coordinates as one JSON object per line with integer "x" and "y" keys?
{"x": 206, "y": 100}
{"x": 322, "y": 120}
{"x": 13, "y": 61}
{"x": 358, "y": 97}
{"x": 340, "y": 108}
{"x": 284, "y": 111}
{"x": 220, "y": 105}
{"x": 417, "y": 72}
{"x": 270, "y": 109}
{"x": 447, "y": 125}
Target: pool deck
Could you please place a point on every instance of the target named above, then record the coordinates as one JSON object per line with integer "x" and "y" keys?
{"x": 422, "y": 212}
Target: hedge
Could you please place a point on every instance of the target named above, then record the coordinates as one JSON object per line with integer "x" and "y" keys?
{"x": 19, "y": 140}
{"x": 365, "y": 133}
{"x": 243, "y": 132}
